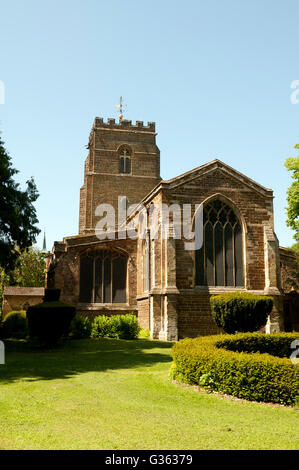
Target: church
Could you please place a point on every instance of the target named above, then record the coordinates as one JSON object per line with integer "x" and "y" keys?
{"x": 152, "y": 275}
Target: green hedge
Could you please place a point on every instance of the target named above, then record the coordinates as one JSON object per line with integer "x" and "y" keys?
{"x": 115, "y": 326}
{"x": 210, "y": 361}
{"x": 276, "y": 344}
{"x": 50, "y": 320}
{"x": 240, "y": 311}
{"x": 80, "y": 327}
{"x": 15, "y": 325}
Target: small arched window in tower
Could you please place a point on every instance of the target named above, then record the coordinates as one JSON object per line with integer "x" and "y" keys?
{"x": 125, "y": 162}
{"x": 220, "y": 260}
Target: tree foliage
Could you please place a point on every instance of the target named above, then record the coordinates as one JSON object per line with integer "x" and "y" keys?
{"x": 17, "y": 213}
{"x": 29, "y": 269}
{"x": 4, "y": 278}
{"x": 295, "y": 247}
{"x": 292, "y": 164}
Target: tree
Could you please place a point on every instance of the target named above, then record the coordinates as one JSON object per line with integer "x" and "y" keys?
{"x": 292, "y": 164}
{"x": 3, "y": 281}
{"x": 17, "y": 214}
{"x": 29, "y": 269}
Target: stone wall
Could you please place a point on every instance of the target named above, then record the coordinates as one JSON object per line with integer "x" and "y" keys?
{"x": 20, "y": 298}
{"x": 143, "y": 312}
{"x": 195, "y": 316}
{"x": 289, "y": 262}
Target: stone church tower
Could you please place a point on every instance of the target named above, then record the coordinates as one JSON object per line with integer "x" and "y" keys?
{"x": 123, "y": 160}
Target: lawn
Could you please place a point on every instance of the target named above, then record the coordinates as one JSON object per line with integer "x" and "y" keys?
{"x": 116, "y": 394}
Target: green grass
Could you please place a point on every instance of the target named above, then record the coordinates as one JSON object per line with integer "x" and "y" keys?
{"x": 116, "y": 394}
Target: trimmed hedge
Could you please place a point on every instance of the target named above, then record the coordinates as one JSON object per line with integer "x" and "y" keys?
{"x": 212, "y": 361}
{"x": 115, "y": 326}
{"x": 50, "y": 320}
{"x": 276, "y": 344}
{"x": 15, "y": 325}
{"x": 240, "y": 311}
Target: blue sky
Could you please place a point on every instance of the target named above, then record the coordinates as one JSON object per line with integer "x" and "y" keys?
{"x": 215, "y": 76}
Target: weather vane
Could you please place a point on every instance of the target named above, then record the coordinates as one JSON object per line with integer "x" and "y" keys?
{"x": 120, "y": 106}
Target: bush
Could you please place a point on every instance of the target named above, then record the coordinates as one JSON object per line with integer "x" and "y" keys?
{"x": 102, "y": 327}
{"x": 50, "y": 320}
{"x": 240, "y": 312}
{"x": 276, "y": 344}
{"x": 129, "y": 328}
{"x": 80, "y": 327}
{"x": 15, "y": 325}
{"x": 144, "y": 333}
{"x": 210, "y": 361}
{"x": 116, "y": 326}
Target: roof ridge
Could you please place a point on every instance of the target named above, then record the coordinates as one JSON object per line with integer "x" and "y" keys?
{"x": 225, "y": 165}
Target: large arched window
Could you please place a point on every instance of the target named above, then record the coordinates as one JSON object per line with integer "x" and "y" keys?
{"x": 125, "y": 161}
{"x": 103, "y": 277}
{"x": 220, "y": 260}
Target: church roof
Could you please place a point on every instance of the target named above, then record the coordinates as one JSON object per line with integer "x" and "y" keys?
{"x": 201, "y": 171}
{"x": 211, "y": 166}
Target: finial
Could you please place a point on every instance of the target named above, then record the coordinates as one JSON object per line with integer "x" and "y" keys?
{"x": 44, "y": 250}
{"x": 120, "y": 106}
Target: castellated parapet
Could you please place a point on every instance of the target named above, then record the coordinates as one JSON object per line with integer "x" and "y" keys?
{"x": 124, "y": 124}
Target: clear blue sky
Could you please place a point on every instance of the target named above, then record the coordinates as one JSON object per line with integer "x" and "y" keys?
{"x": 215, "y": 76}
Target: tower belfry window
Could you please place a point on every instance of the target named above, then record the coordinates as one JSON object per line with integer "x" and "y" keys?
{"x": 125, "y": 162}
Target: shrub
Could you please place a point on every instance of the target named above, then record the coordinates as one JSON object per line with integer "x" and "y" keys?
{"x": 129, "y": 328}
{"x": 210, "y": 361}
{"x": 50, "y": 320}
{"x": 276, "y": 344}
{"x": 80, "y": 327}
{"x": 15, "y": 325}
{"x": 115, "y": 326}
{"x": 144, "y": 333}
{"x": 102, "y": 327}
{"x": 240, "y": 312}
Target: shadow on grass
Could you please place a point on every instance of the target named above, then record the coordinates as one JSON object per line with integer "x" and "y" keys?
{"x": 22, "y": 362}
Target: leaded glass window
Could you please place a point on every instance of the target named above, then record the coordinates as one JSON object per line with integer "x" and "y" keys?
{"x": 103, "y": 277}
{"x": 125, "y": 162}
{"x": 220, "y": 260}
